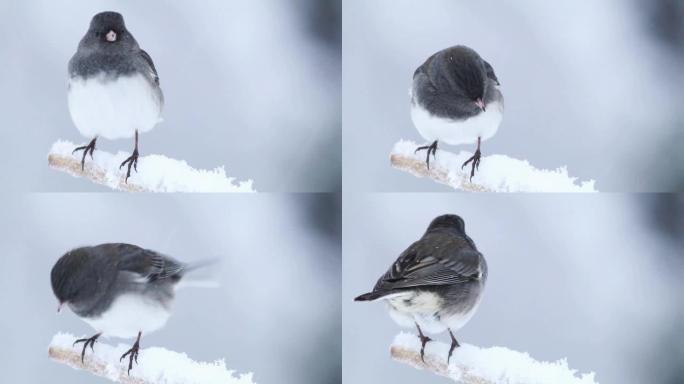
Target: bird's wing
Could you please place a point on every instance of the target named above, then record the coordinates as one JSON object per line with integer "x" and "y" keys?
{"x": 490, "y": 72}
{"x": 424, "y": 68}
{"x": 148, "y": 60}
{"x": 443, "y": 260}
{"x": 149, "y": 265}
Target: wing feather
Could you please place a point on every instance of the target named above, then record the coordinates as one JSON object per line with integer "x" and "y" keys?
{"x": 434, "y": 260}
{"x": 150, "y": 63}
{"x": 148, "y": 264}
{"x": 490, "y": 72}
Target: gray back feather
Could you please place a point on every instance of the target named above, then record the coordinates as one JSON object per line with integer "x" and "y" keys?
{"x": 439, "y": 258}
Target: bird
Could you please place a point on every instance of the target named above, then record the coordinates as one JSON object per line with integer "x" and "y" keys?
{"x": 113, "y": 87}
{"x": 118, "y": 289}
{"x": 436, "y": 284}
{"x": 455, "y": 98}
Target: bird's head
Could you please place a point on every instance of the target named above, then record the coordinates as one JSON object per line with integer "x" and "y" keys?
{"x": 108, "y": 31}
{"x": 469, "y": 75}
{"x": 108, "y": 26}
{"x": 68, "y": 278}
{"x": 448, "y": 221}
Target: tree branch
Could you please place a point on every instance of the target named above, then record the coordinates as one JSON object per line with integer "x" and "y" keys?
{"x": 473, "y": 365}
{"x": 497, "y": 173}
{"x": 156, "y": 365}
{"x": 156, "y": 173}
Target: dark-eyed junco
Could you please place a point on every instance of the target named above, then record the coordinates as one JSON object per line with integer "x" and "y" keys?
{"x": 455, "y": 98}
{"x": 436, "y": 284}
{"x": 113, "y": 86}
{"x": 119, "y": 289}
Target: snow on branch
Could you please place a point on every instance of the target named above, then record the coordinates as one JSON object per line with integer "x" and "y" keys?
{"x": 497, "y": 173}
{"x": 156, "y": 173}
{"x": 473, "y": 365}
{"x": 156, "y": 365}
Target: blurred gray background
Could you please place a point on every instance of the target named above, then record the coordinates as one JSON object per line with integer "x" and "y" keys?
{"x": 251, "y": 85}
{"x": 594, "y": 279}
{"x": 594, "y": 85}
{"x": 277, "y": 312}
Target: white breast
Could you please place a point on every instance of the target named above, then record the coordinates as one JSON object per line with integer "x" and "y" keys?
{"x": 455, "y": 132}
{"x": 113, "y": 109}
{"x": 128, "y": 315}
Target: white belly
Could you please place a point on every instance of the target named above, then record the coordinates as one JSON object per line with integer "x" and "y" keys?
{"x": 113, "y": 109}
{"x": 423, "y": 310}
{"x": 128, "y": 315}
{"x": 455, "y": 132}
{"x": 409, "y": 308}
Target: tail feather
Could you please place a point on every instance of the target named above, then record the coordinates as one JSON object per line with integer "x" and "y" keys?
{"x": 197, "y": 284}
{"x": 370, "y": 296}
{"x": 199, "y": 264}
{"x": 183, "y": 282}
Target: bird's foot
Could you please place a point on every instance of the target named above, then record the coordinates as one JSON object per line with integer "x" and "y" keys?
{"x": 132, "y": 355}
{"x": 88, "y": 341}
{"x": 86, "y": 149}
{"x": 475, "y": 159}
{"x": 423, "y": 340}
{"x": 132, "y": 161}
{"x": 430, "y": 148}
{"x": 454, "y": 345}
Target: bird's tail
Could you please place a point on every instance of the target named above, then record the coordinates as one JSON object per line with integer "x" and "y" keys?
{"x": 198, "y": 283}
{"x": 370, "y": 296}
{"x": 189, "y": 267}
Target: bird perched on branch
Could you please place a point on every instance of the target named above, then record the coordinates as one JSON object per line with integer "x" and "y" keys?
{"x": 436, "y": 284}
{"x": 113, "y": 86}
{"x": 455, "y": 98}
{"x": 119, "y": 289}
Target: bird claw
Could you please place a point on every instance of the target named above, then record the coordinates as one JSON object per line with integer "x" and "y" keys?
{"x": 90, "y": 148}
{"x": 88, "y": 341}
{"x": 423, "y": 340}
{"x": 132, "y": 160}
{"x": 454, "y": 345}
{"x": 132, "y": 355}
{"x": 430, "y": 148}
{"x": 475, "y": 159}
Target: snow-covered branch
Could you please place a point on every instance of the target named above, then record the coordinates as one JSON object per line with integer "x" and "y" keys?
{"x": 156, "y": 173}
{"x": 497, "y": 173}
{"x": 156, "y": 365}
{"x": 473, "y": 365}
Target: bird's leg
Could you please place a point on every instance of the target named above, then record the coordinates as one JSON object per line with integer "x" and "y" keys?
{"x": 423, "y": 340}
{"x": 454, "y": 345}
{"x": 86, "y": 148}
{"x": 132, "y": 353}
{"x": 132, "y": 160}
{"x": 475, "y": 158}
{"x": 430, "y": 148}
{"x": 89, "y": 341}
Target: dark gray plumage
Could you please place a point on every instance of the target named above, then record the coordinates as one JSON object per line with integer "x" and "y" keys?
{"x": 451, "y": 81}
{"x": 96, "y": 55}
{"x": 437, "y": 282}
{"x": 113, "y": 86}
{"x": 88, "y": 279}
{"x": 455, "y": 98}
{"x": 119, "y": 289}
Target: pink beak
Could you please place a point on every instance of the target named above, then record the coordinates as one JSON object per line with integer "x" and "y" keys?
{"x": 480, "y": 104}
{"x": 111, "y": 36}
